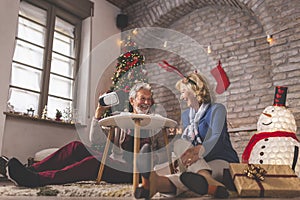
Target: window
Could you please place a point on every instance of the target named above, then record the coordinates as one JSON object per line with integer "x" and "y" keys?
{"x": 46, "y": 55}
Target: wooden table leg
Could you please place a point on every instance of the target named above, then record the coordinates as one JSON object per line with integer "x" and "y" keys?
{"x": 165, "y": 135}
{"x": 136, "y": 150}
{"x": 105, "y": 153}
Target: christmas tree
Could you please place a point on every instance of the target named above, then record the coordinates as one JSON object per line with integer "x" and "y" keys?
{"x": 130, "y": 69}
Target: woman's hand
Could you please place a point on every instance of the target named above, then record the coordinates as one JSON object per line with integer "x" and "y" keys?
{"x": 191, "y": 155}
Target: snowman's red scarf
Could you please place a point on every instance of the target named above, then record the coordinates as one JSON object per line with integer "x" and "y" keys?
{"x": 263, "y": 135}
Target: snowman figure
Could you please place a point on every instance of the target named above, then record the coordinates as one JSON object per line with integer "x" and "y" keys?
{"x": 276, "y": 142}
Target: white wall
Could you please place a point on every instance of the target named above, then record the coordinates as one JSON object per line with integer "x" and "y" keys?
{"x": 105, "y": 48}
{"x": 20, "y": 137}
{"x": 8, "y": 21}
{"x": 97, "y": 64}
{"x": 23, "y": 138}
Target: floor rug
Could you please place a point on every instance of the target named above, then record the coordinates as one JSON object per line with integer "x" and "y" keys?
{"x": 78, "y": 189}
{"x": 81, "y": 189}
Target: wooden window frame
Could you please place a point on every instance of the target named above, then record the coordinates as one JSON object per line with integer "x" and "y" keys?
{"x": 72, "y": 13}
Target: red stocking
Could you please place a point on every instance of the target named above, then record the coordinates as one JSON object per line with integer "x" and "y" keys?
{"x": 221, "y": 78}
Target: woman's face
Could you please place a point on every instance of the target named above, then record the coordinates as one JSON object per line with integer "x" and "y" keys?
{"x": 142, "y": 102}
{"x": 188, "y": 96}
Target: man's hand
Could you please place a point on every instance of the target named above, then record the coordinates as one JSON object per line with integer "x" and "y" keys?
{"x": 99, "y": 111}
{"x": 191, "y": 155}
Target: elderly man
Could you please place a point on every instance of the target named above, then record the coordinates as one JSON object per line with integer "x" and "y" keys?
{"x": 76, "y": 162}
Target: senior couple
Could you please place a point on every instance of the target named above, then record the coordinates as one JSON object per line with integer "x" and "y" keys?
{"x": 203, "y": 150}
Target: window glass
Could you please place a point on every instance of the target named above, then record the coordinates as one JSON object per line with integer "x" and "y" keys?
{"x": 64, "y": 38}
{"x": 29, "y": 54}
{"x": 60, "y": 86}
{"x": 62, "y": 65}
{"x": 31, "y": 32}
{"x": 33, "y": 13}
{"x": 25, "y": 77}
{"x": 64, "y": 27}
{"x": 63, "y": 45}
{"x": 57, "y": 103}
{"x": 23, "y": 100}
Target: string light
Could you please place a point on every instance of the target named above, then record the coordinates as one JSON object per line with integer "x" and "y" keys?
{"x": 134, "y": 32}
{"x": 165, "y": 44}
{"x": 270, "y": 39}
{"x": 120, "y": 42}
{"x": 209, "y": 48}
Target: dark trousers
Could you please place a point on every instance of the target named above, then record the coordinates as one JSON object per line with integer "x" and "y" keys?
{"x": 74, "y": 162}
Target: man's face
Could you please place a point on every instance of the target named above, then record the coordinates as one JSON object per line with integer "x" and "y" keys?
{"x": 142, "y": 102}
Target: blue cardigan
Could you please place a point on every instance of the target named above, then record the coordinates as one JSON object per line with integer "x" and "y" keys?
{"x": 212, "y": 129}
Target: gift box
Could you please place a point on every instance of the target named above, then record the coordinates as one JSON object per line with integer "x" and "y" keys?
{"x": 265, "y": 180}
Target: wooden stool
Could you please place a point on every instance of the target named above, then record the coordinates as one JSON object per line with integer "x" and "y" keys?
{"x": 135, "y": 121}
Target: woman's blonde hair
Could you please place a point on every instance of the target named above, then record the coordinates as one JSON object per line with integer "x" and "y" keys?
{"x": 198, "y": 84}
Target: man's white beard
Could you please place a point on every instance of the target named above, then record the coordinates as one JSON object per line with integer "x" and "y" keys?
{"x": 139, "y": 111}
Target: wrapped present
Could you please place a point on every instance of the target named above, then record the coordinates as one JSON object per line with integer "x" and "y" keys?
{"x": 265, "y": 180}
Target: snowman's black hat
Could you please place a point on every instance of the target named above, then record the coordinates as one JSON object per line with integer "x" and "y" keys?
{"x": 280, "y": 96}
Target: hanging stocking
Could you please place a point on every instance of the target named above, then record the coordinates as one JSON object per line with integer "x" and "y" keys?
{"x": 221, "y": 78}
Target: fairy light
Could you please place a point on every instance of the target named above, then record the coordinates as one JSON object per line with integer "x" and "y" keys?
{"x": 270, "y": 39}
{"x": 120, "y": 42}
{"x": 165, "y": 44}
{"x": 135, "y": 32}
{"x": 209, "y": 48}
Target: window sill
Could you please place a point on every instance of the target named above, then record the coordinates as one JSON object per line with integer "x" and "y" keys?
{"x": 39, "y": 120}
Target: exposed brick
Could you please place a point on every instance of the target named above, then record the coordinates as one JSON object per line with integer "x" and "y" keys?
{"x": 288, "y": 67}
{"x": 237, "y": 33}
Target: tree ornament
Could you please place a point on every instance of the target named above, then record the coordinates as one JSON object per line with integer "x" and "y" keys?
{"x": 129, "y": 69}
{"x": 58, "y": 115}
{"x": 30, "y": 111}
{"x": 44, "y": 113}
{"x": 68, "y": 115}
{"x": 10, "y": 108}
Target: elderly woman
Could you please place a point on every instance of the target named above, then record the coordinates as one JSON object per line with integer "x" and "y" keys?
{"x": 204, "y": 149}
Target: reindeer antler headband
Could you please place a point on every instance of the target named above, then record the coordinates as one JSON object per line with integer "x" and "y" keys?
{"x": 170, "y": 68}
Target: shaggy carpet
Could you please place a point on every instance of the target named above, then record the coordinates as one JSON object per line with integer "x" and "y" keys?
{"x": 78, "y": 189}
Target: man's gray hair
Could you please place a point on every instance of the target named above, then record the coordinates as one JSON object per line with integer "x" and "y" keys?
{"x": 135, "y": 88}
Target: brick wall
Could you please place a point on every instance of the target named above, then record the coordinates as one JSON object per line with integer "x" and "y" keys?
{"x": 237, "y": 33}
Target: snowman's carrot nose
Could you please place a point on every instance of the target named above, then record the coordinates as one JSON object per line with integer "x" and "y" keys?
{"x": 268, "y": 115}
